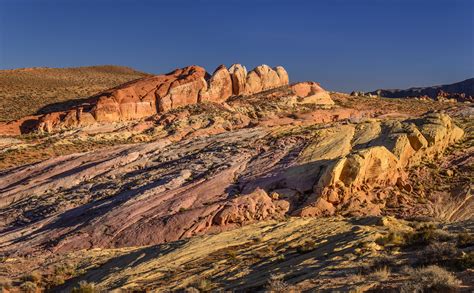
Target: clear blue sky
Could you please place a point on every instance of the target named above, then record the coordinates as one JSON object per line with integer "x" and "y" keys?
{"x": 345, "y": 45}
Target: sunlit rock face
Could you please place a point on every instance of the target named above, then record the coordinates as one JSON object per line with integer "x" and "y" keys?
{"x": 158, "y": 94}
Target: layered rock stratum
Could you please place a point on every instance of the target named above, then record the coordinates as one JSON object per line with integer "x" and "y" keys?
{"x": 158, "y": 192}
{"x": 164, "y": 176}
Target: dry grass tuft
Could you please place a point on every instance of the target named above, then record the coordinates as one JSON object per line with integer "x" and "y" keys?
{"x": 28, "y": 287}
{"x": 380, "y": 274}
{"x": 276, "y": 285}
{"x": 34, "y": 277}
{"x": 85, "y": 287}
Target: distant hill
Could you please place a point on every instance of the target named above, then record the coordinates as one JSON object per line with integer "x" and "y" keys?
{"x": 28, "y": 91}
{"x": 464, "y": 87}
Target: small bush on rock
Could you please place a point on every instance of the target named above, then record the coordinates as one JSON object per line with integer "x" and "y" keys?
{"x": 466, "y": 261}
{"x": 28, "y": 287}
{"x": 307, "y": 246}
{"x": 380, "y": 274}
{"x": 85, "y": 287}
{"x": 382, "y": 262}
{"x": 465, "y": 239}
{"x": 441, "y": 253}
{"x": 276, "y": 285}
{"x": 430, "y": 279}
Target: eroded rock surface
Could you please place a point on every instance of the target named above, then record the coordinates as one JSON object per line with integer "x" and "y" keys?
{"x": 311, "y": 92}
{"x": 158, "y": 94}
{"x": 162, "y": 191}
{"x": 352, "y": 183}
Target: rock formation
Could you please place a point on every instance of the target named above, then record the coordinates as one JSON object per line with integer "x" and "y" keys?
{"x": 157, "y": 94}
{"x": 355, "y": 182}
{"x": 161, "y": 191}
{"x": 220, "y": 86}
{"x": 311, "y": 93}
{"x": 255, "y": 206}
{"x": 239, "y": 76}
{"x": 264, "y": 78}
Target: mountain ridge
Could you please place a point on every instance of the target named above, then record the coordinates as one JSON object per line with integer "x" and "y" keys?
{"x": 465, "y": 87}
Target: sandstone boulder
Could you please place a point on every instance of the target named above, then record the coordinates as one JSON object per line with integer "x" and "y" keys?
{"x": 184, "y": 90}
{"x": 255, "y": 206}
{"x": 253, "y": 83}
{"x": 375, "y": 166}
{"x": 220, "y": 86}
{"x": 439, "y": 130}
{"x": 49, "y": 121}
{"x": 282, "y": 74}
{"x": 268, "y": 77}
{"x": 263, "y": 78}
{"x": 238, "y": 74}
{"x": 311, "y": 93}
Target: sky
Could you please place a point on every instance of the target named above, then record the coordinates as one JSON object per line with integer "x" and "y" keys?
{"x": 343, "y": 44}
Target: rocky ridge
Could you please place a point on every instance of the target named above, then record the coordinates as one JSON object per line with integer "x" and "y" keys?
{"x": 158, "y": 94}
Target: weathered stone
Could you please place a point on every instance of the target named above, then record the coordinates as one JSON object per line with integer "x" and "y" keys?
{"x": 238, "y": 74}
{"x": 255, "y": 206}
{"x": 268, "y": 77}
{"x": 253, "y": 83}
{"x": 220, "y": 86}
{"x": 282, "y": 74}
{"x": 311, "y": 93}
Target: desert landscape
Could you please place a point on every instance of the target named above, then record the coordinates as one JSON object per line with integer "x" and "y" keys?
{"x": 242, "y": 181}
{"x": 337, "y": 156}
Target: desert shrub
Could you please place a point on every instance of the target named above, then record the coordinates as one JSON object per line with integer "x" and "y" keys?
{"x": 423, "y": 235}
{"x": 393, "y": 238}
{"x": 466, "y": 261}
{"x": 430, "y": 279}
{"x": 65, "y": 269}
{"x": 203, "y": 285}
{"x": 275, "y": 284}
{"x": 380, "y": 274}
{"x": 442, "y": 253}
{"x": 442, "y": 235}
{"x": 382, "y": 262}
{"x": 280, "y": 257}
{"x": 56, "y": 280}
{"x": 232, "y": 254}
{"x": 85, "y": 287}
{"x": 34, "y": 277}
{"x": 5, "y": 283}
{"x": 307, "y": 246}
{"x": 28, "y": 287}
{"x": 465, "y": 239}
{"x": 264, "y": 252}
